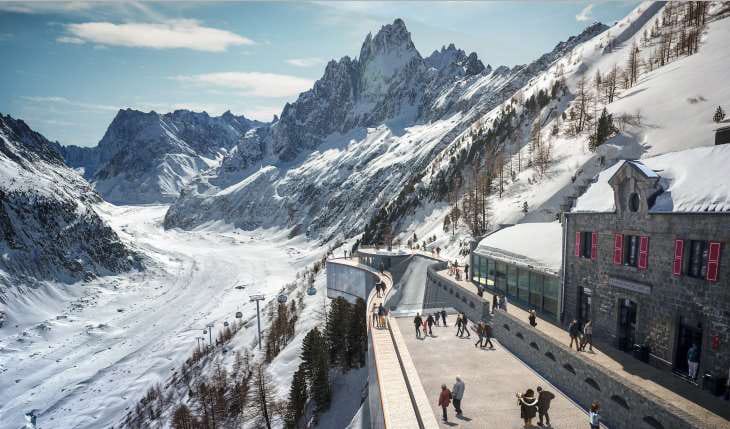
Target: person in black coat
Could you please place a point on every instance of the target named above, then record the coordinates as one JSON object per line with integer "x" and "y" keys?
{"x": 528, "y": 406}
{"x": 418, "y": 322}
{"x": 464, "y": 325}
{"x": 443, "y": 316}
{"x": 543, "y": 405}
{"x": 429, "y": 323}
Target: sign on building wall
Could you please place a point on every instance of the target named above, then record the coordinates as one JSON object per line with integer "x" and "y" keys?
{"x": 629, "y": 285}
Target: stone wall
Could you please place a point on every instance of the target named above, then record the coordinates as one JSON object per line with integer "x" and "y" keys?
{"x": 442, "y": 292}
{"x": 623, "y": 404}
{"x": 665, "y": 298}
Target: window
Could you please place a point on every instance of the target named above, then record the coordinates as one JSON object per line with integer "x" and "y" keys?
{"x": 536, "y": 290}
{"x": 586, "y": 244}
{"x": 698, "y": 253}
{"x": 634, "y": 202}
{"x": 631, "y": 250}
{"x": 524, "y": 285}
{"x": 501, "y": 276}
{"x": 551, "y": 294}
{"x": 490, "y": 273}
{"x": 511, "y": 280}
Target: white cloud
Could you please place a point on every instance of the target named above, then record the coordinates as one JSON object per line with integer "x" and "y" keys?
{"x": 33, "y": 7}
{"x": 305, "y": 62}
{"x": 179, "y": 33}
{"x": 252, "y": 83}
{"x": 72, "y": 40}
{"x": 585, "y": 14}
{"x": 66, "y": 102}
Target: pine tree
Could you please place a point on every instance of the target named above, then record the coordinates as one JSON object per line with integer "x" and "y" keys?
{"x": 719, "y": 114}
{"x": 447, "y": 222}
{"x": 604, "y": 130}
{"x": 357, "y": 335}
{"x": 182, "y": 418}
{"x": 316, "y": 368}
{"x": 297, "y": 399}
{"x": 336, "y": 332}
{"x": 262, "y": 403}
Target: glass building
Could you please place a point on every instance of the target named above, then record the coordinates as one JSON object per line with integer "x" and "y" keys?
{"x": 522, "y": 262}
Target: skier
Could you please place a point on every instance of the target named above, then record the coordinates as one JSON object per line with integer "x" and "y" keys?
{"x": 458, "y": 393}
{"x": 418, "y": 321}
{"x": 429, "y": 322}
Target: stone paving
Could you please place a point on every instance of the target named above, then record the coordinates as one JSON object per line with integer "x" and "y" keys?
{"x": 492, "y": 378}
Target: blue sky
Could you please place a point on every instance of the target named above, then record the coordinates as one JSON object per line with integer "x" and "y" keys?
{"x": 68, "y": 67}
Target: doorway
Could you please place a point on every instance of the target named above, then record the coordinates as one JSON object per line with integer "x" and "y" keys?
{"x": 627, "y": 325}
{"x": 585, "y": 300}
{"x": 686, "y": 336}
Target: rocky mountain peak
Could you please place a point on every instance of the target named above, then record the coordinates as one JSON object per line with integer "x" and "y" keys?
{"x": 393, "y": 40}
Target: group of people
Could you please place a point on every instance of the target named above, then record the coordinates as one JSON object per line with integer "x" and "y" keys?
{"x": 484, "y": 332}
{"x": 456, "y": 394}
{"x": 456, "y": 272}
{"x": 427, "y": 323}
{"x": 531, "y": 405}
{"x": 379, "y": 289}
{"x": 378, "y": 312}
{"x": 499, "y": 302}
{"x": 581, "y": 337}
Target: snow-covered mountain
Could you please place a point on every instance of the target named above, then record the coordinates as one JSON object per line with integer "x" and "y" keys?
{"x": 48, "y": 226}
{"x": 355, "y": 139}
{"x": 149, "y": 157}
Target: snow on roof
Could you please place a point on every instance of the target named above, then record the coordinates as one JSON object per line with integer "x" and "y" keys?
{"x": 693, "y": 181}
{"x": 648, "y": 172}
{"x": 536, "y": 244}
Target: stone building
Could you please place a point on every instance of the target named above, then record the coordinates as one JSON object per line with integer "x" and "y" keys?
{"x": 522, "y": 262}
{"x": 645, "y": 258}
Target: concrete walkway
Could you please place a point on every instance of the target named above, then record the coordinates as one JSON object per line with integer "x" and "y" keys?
{"x": 492, "y": 378}
{"x": 670, "y": 388}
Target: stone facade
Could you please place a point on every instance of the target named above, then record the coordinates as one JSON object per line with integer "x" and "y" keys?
{"x": 668, "y": 310}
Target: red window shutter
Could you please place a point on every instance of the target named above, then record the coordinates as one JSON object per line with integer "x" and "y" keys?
{"x": 618, "y": 249}
{"x": 577, "y": 244}
{"x": 678, "y": 255}
{"x": 643, "y": 252}
{"x": 594, "y": 245}
{"x": 713, "y": 261}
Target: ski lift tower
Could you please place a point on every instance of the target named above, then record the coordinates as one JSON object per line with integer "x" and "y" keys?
{"x": 257, "y": 298}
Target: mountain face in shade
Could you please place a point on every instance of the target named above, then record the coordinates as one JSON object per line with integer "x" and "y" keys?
{"x": 47, "y": 216}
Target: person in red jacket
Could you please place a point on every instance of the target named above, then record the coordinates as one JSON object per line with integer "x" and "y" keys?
{"x": 444, "y": 399}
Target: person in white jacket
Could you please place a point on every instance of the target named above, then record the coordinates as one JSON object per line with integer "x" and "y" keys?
{"x": 458, "y": 393}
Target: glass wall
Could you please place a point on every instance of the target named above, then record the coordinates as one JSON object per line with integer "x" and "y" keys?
{"x": 511, "y": 280}
{"x": 523, "y": 291}
{"x": 531, "y": 288}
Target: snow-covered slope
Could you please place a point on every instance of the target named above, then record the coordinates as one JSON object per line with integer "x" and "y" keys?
{"x": 48, "y": 226}
{"x": 149, "y": 157}
{"x": 348, "y": 145}
{"x": 669, "y": 108}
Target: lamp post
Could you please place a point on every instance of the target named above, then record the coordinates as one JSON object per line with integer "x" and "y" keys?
{"x": 257, "y": 298}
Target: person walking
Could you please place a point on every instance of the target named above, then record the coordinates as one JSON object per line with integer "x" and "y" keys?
{"x": 465, "y": 325}
{"x": 504, "y": 302}
{"x": 424, "y": 325}
{"x": 345, "y": 254}
{"x": 443, "y": 316}
{"x": 437, "y": 318}
{"x": 382, "y": 267}
{"x": 573, "y": 331}
{"x": 587, "y": 336}
{"x": 594, "y": 418}
{"x": 466, "y": 272}
{"x": 458, "y": 394}
{"x": 495, "y": 303}
{"x": 375, "y": 315}
{"x": 480, "y": 334}
{"x": 381, "y": 316}
{"x": 693, "y": 361}
{"x": 418, "y": 321}
{"x": 528, "y": 406}
{"x": 444, "y": 400}
{"x": 533, "y": 318}
{"x": 459, "y": 331}
{"x": 429, "y": 323}
{"x": 488, "y": 335}
{"x": 543, "y": 405}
